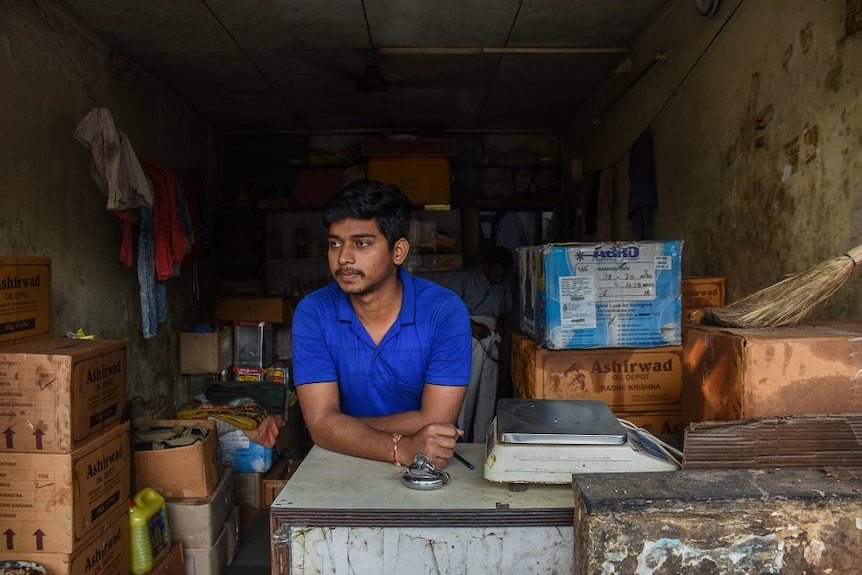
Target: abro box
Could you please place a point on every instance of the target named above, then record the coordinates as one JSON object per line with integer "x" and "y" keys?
{"x": 243, "y": 454}
{"x": 272, "y": 309}
{"x": 732, "y": 373}
{"x": 185, "y": 471}
{"x": 56, "y": 394}
{"x": 585, "y": 295}
{"x": 699, "y": 292}
{"x": 197, "y": 521}
{"x": 25, "y": 299}
{"x": 105, "y": 551}
{"x": 51, "y": 501}
{"x": 627, "y": 379}
{"x": 206, "y": 353}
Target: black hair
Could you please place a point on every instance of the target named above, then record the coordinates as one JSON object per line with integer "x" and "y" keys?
{"x": 500, "y": 256}
{"x": 371, "y": 200}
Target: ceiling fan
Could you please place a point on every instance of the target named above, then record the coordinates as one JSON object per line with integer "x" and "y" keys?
{"x": 373, "y": 80}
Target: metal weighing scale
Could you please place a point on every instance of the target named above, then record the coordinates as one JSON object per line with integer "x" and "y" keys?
{"x": 548, "y": 440}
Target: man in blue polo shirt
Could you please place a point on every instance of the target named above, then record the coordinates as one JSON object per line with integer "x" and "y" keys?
{"x": 381, "y": 359}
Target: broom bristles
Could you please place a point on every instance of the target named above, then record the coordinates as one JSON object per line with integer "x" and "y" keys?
{"x": 789, "y": 301}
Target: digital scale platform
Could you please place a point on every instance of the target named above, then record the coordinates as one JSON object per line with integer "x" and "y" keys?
{"x": 549, "y": 440}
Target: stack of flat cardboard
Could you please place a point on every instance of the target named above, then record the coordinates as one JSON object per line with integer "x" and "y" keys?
{"x": 760, "y": 397}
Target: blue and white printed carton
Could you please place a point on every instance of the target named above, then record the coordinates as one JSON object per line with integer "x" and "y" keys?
{"x": 608, "y": 294}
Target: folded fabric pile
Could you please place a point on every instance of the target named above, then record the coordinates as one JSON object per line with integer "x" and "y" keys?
{"x": 154, "y": 437}
{"x": 247, "y": 416}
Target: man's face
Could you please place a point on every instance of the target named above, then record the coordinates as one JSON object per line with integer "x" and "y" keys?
{"x": 495, "y": 274}
{"x": 359, "y": 257}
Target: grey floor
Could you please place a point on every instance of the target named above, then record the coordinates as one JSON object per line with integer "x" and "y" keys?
{"x": 253, "y": 556}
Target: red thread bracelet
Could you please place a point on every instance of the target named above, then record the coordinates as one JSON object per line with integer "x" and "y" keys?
{"x": 396, "y": 437}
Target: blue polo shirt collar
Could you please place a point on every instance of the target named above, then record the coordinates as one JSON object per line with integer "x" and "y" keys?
{"x": 408, "y": 302}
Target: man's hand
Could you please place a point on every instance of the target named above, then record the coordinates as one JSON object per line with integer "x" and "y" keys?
{"x": 480, "y": 330}
{"x": 436, "y": 440}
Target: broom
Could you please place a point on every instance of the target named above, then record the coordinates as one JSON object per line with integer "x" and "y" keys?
{"x": 787, "y": 302}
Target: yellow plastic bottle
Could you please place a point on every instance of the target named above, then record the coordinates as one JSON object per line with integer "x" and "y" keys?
{"x": 150, "y": 536}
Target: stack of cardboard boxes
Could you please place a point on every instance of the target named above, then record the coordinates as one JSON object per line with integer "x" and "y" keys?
{"x": 604, "y": 322}
{"x": 65, "y": 459}
{"x": 203, "y": 518}
{"x": 253, "y": 347}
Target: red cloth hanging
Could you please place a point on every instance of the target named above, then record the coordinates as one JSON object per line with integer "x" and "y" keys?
{"x": 128, "y": 217}
{"x": 171, "y": 242}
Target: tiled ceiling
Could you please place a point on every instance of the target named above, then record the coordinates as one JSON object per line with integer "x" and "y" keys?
{"x": 293, "y": 65}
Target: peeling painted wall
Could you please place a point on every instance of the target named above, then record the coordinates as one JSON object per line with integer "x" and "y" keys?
{"x": 52, "y": 72}
{"x": 757, "y": 124}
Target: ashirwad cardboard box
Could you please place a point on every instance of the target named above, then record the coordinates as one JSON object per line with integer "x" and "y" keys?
{"x": 699, "y": 292}
{"x": 630, "y": 379}
{"x": 49, "y": 502}
{"x": 56, "y": 394}
{"x": 25, "y": 299}
{"x": 105, "y": 551}
{"x": 588, "y": 295}
{"x": 735, "y": 373}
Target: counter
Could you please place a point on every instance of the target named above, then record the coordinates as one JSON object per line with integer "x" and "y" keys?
{"x": 342, "y": 514}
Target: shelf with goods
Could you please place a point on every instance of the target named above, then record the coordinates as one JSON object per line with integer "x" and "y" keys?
{"x": 296, "y": 248}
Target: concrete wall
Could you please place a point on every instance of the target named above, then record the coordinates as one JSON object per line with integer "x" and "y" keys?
{"x": 757, "y": 124}
{"x": 52, "y": 72}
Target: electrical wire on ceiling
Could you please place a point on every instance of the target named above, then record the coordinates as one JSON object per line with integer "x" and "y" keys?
{"x": 253, "y": 64}
{"x": 373, "y": 80}
{"x": 679, "y": 85}
{"x": 65, "y": 52}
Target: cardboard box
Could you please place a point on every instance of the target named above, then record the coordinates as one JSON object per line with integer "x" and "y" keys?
{"x": 232, "y": 534}
{"x": 196, "y": 521}
{"x": 587, "y": 295}
{"x": 243, "y": 454}
{"x": 731, "y": 373}
{"x": 206, "y": 353}
{"x": 424, "y": 180}
{"x": 659, "y": 423}
{"x": 188, "y": 471}
{"x": 276, "y": 478}
{"x": 409, "y": 147}
{"x": 25, "y": 299}
{"x": 248, "y": 489}
{"x": 627, "y": 379}
{"x": 57, "y": 394}
{"x": 271, "y": 309}
{"x": 172, "y": 564}
{"x": 208, "y": 560}
{"x": 700, "y": 292}
{"x": 105, "y": 551}
{"x": 52, "y": 501}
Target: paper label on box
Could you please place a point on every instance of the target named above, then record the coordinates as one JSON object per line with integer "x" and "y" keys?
{"x": 25, "y": 297}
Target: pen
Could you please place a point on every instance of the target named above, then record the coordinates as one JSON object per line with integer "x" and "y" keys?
{"x": 464, "y": 461}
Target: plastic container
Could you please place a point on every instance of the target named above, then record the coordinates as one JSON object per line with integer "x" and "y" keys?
{"x": 149, "y": 534}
